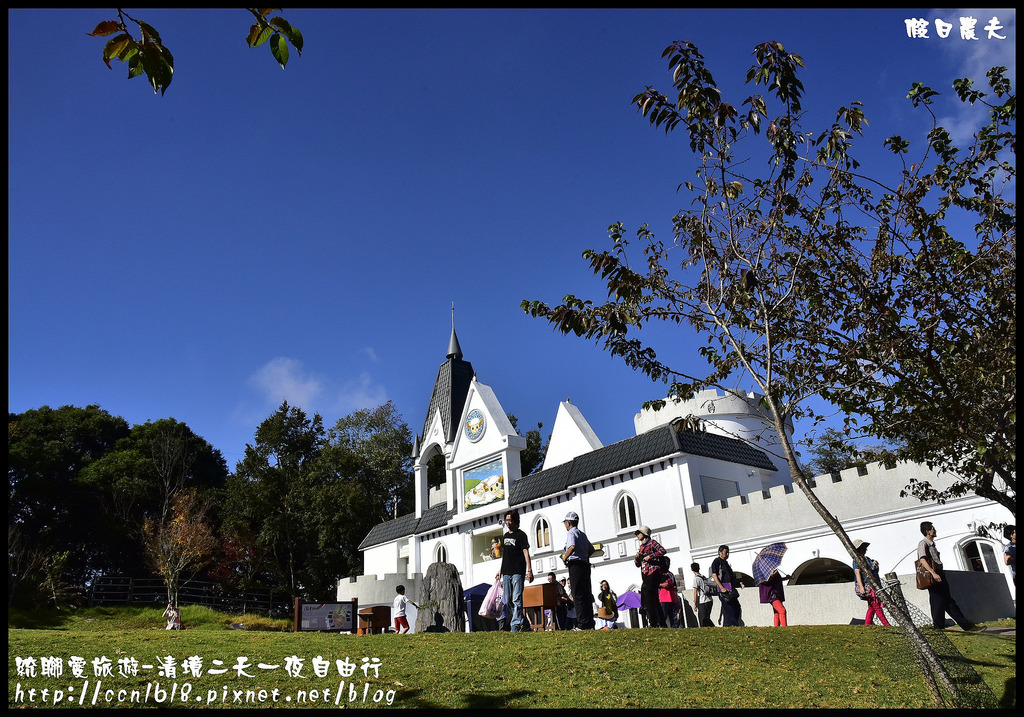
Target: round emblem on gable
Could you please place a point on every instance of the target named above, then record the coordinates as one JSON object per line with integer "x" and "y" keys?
{"x": 475, "y": 424}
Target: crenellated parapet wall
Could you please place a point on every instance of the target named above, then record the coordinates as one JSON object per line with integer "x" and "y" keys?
{"x": 369, "y": 590}
{"x": 854, "y": 493}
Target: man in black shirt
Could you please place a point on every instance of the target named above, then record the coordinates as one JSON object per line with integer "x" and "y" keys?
{"x": 515, "y": 566}
{"x": 728, "y": 589}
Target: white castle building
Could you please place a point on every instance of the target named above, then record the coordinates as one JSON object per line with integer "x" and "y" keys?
{"x": 695, "y": 490}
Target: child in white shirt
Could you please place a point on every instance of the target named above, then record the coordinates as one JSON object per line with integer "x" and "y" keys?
{"x": 398, "y": 610}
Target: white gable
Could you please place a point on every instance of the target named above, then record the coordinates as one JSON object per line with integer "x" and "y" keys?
{"x": 571, "y": 436}
{"x": 485, "y": 453}
{"x": 483, "y": 428}
{"x": 435, "y": 434}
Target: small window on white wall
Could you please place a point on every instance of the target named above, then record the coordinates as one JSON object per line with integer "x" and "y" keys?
{"x": 980, "y": 557}
{"x": 626, "y": 513}
{"x": 542, "y": 534}
{"x": 715, "y": 489}
{"x": 440, "y": 554}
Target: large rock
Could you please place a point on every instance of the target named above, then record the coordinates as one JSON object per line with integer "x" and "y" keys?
{"x": 440, "y": 603}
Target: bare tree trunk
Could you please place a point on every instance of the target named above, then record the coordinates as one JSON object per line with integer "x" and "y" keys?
{"x": 173, "y": 458}
{"x": 927, "y": 659}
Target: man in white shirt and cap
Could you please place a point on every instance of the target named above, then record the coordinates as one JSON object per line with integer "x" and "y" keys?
{"x": 576, "y": 557}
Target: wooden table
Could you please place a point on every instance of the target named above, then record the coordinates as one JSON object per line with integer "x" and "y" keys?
{"x": 374, "y": 620}
{"x": 540, "y": 598}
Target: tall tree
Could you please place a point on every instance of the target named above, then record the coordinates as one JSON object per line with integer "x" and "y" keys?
{"x": 278, "y": 493}
{"x": 26, "y": 563}
{"x": 140, "y": 477}
{"x": 833, "y": 452}
{"x": 380, "y": 444}
{"x": 47, "y": 505}
{"x": 784, "y": 277}
{"x": 240, "y": 564}
{"x": 532, "y": 457}
{"x": 369, "y": 455}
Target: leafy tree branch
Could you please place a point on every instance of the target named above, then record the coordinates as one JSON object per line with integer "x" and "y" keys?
{"x": 809, "y": 280}
{"x": 148, "y": 55}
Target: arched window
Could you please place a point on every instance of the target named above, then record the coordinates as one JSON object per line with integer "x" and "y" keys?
{"x": 980, "y": 556}
{"x": 441, "y": 554}
{"x": 542, "y": 534}
{"x": 626, "y": 513}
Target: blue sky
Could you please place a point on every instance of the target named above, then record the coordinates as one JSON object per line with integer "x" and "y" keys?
{"x": 256, "y": 234}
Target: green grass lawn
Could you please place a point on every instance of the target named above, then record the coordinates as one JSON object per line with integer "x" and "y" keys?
{"x": 834, "y": 666}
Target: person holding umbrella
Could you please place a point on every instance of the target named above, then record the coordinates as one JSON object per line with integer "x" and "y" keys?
{"x": 769, "y": 581}
{"x": 771, "y": 593}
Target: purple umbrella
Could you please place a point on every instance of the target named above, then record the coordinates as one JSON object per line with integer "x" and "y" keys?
{"x": 766, "y": 561}
{"x": 628, "y": 599}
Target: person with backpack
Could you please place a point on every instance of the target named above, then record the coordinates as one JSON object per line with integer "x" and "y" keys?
{"x": 863, "y": 588}
{"x": 703, "y": 594}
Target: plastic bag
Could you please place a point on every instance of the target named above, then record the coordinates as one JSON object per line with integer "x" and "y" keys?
{"x": 494, "y": 601}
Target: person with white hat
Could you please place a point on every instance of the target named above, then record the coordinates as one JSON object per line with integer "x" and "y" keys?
{"x": 576, "y": 557}
{"x": 650, "y": 559}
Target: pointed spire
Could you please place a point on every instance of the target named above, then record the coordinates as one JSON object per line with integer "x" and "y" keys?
{"x": 454, "y": 350}
{"x": 451, "y": 388}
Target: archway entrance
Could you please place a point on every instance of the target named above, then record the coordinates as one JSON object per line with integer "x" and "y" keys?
{"x": 822, "y": 570}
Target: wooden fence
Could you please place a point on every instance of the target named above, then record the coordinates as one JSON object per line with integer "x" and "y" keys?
{"x": 119, "y": 590}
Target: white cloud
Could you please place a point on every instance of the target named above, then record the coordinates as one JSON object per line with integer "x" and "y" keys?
{"x": 287, "y": 379}
{"x": 973, "y": 59}
{"x": 977, "y": 56}
{"x": 284, "y": 379}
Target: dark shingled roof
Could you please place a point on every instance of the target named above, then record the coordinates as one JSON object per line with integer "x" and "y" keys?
{"x": 650, "y": 446}
{"x": 449, "y": 395}
{"x": 405, "y": 525}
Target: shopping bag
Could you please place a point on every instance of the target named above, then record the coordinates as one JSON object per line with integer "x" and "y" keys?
{"x": 494, "y": 601}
